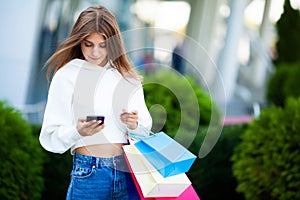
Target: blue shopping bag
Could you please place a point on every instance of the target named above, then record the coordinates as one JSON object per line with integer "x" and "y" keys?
{"x": 165, "y": 154}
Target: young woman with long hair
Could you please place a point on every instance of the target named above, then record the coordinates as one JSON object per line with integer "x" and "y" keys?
{"x": 92, "y": 76}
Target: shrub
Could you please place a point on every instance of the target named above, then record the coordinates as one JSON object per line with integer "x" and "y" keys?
{"x": 284, "y": 83}
{"x": 180, "y": 99}
{"x": 212, "y": 176}
{"x": 266, "y": 161}
{"x": 21, "y": 157}
{"x": 56, "y": 172}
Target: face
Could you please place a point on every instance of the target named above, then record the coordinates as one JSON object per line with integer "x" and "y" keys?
{"x": 94, "y": 49}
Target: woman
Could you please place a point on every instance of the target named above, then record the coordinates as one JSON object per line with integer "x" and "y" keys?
{"x": 92, "y": 76}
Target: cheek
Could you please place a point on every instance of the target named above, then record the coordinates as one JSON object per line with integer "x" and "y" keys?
{"x": 84, "y": 50}
{"x": 104, "y": 52}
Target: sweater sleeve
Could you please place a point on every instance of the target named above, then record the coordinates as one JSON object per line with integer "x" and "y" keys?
{"x": 137, "y": 102}
{"x": 58, "y": 131}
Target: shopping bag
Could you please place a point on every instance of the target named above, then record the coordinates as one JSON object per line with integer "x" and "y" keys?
{"x": 188, "y": 194}
{"x": 150, "y": 181}
{"x": 164, "y": 153}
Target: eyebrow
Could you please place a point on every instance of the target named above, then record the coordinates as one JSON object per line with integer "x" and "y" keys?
{"x": 85, "y": 40}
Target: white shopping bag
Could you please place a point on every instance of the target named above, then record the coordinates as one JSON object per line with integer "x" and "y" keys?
{"x": 151, "y": 182}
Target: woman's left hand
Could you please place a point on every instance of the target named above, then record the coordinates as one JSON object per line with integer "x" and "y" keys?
{"x": 130, "y": 119}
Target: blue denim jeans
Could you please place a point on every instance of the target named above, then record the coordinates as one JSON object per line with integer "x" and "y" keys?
{"x": 98, "y": 178}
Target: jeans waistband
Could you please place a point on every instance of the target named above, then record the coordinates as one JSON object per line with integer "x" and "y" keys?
{"x": 99, "y": 161}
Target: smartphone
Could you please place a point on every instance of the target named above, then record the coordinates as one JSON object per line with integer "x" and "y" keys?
{"x": 95, "y": 117}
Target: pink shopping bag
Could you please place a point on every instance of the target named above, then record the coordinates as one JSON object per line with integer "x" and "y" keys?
{"x": 151, "y": 182}
{"x": 188, "y": 194}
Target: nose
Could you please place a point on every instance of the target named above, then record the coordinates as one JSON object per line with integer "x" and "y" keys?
{"x": 96, "y": 51}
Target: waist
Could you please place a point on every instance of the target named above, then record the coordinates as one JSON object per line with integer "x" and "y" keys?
{"x": 101, "y": 150}
{"x": 99, "y": 162}
{"x": 106, "y": 136}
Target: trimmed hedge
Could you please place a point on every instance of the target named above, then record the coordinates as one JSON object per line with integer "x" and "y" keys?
{"x": 284, "y": 83}
{"x": 266, "y": 161}
{"x": 21, "y": 157}
{"x": 180, "y": 99}
{"x": 56, "y": 172}
{"x": 212, "y": 176}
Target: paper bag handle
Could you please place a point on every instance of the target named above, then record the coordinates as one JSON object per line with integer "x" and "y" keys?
{"x": 135, "y": 136}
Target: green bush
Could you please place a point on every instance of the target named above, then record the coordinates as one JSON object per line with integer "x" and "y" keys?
{"x": 212, "y": 176}
{"x": 56, "y": 172}
{"x": 180, "y": 99}
{"x": 284, "y": 83}
{"x": 266, "y": 161}
{"x": 21, "y": 157}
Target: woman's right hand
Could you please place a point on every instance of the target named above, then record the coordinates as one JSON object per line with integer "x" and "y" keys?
{"x": 89, "y": 128}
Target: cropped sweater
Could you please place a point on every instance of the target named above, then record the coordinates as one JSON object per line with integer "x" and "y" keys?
{"x": 79, "y": 89}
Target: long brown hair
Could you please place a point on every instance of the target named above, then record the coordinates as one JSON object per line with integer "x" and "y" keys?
{"x": 96, "y": 19}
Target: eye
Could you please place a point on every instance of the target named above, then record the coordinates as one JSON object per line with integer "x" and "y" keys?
{"x": 103, "y": 45}
{"x": 87, "y": 44}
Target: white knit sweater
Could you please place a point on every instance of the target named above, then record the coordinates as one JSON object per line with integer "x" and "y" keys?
{"x": 79, "y": 89}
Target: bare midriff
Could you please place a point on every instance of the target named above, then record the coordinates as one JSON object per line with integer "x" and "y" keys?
{"x": 101, "y": 150}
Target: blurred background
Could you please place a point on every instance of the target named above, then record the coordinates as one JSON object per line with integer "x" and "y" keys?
{"x": 238, "y": 36}
{"x": 240, "y": 56}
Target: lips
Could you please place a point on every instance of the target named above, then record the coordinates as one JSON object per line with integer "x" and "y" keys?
{"x": 94, "y": 59}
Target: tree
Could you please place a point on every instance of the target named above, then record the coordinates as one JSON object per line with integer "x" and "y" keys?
{"x": 288, "y": 28}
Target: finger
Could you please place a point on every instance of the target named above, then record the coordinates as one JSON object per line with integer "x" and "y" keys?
{"x": 95, "y": 128}
{"x": 127, "y": 119}
{"x": 99, "y": 128}
{"x": 131, "y": 121}
{"x": 135, "y": 112}
{"x": 91, "y": 124}
{"x": 122, "y": 117}
{"x": 125, "y": 116}
{"x": 96, "y": 124}
{"x": 81, "y": 120}
{"x": 133, "y": 117}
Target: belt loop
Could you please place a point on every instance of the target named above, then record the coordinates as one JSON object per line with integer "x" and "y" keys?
{"x": 94, "y": 161}
{"x": 114, "y": 159}
{"x": 74, "y": 161}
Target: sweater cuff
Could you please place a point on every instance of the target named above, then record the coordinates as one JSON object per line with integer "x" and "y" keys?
{"x": 139, "y": 130}
{"x": 76, "y": 136}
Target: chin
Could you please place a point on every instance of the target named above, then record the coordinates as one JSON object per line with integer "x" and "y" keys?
{"x": 94, "y": 62}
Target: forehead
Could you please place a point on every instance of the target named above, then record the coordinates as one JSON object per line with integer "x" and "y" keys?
{"x": 95, "y": 38}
